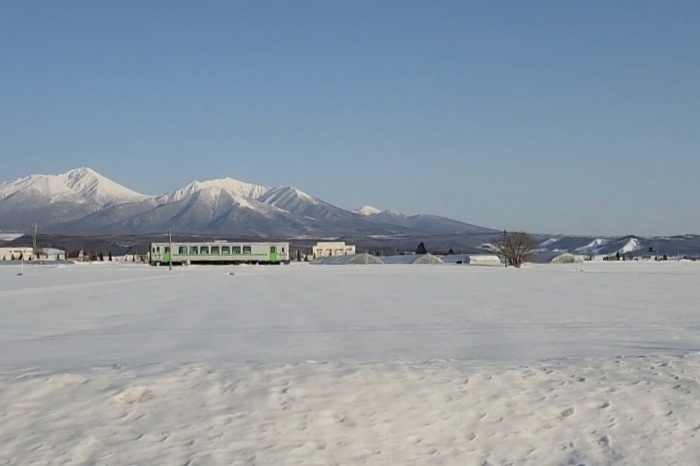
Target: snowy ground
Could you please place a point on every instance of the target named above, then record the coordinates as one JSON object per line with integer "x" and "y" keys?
{"x": 567, "y": 364}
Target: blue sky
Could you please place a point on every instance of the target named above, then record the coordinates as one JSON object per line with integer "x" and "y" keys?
{"x": 551, "y": 116}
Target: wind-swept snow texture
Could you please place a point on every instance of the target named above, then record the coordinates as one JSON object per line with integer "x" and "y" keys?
{"x": 570, "y": 364}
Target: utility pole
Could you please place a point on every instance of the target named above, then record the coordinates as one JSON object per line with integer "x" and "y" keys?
{"x": 170, "y": 248}
{"x": 35, "y": 227}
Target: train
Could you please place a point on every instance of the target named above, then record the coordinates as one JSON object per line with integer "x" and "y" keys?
{"x": 219, "y": 252}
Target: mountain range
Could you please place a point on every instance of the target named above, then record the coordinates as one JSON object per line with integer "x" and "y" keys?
{"x": 83, "y": 201}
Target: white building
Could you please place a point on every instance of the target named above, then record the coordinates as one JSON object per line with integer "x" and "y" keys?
{"x": 332, "y": 249}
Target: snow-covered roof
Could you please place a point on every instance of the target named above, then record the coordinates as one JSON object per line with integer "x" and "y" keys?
{"x": 319, "y": 260}
{"x": 555, "y": 258}
{"x": 350, "y": 259}
{"x": 412, "y": 259}
{"x": 471, "y": 258}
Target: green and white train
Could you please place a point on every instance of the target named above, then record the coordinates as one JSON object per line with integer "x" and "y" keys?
{"x": 219, "y": 252}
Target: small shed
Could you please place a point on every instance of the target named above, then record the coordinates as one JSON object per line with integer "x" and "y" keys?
{"x": 77, "y": 255}
{"x": 413, "y": 259}
{"x": 350, "y": 259}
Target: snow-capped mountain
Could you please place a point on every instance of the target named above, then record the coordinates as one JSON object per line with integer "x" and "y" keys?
{"x": 230, "y": 186}
{"x": 628, "y": 246}
{"x": 421, "y": 222}
{"x": 83, "y": 201}
{"x": 367, "y": 210}
{"x": 81, "y": 185}
{"x": 51, "y": 199}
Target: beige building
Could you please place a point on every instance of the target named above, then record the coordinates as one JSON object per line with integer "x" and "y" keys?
{"x": 332, "y": 249}
{"x": 15, "y": 252}
{"x": 27, "y": 253}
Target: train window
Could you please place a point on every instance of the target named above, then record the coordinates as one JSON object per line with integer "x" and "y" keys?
{"x": 194, "y": 250}
{"x": 153, "y": 250}
{"x": 282, "y": 249}
{"x": 182, "y": 250}
{"x": 273, "y": 249}
{"x": 158, "y": 249}
{"x": 236, "y": 249}
{"x": 204, "y": 250}
{"x": 225, "y": 249}
{"x": 215, "y": 249}
{"x": 246, "y": 250}
{"x": 167, "y": 249}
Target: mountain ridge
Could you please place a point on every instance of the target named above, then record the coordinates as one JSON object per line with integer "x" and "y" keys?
{"x": 84, "y": 201}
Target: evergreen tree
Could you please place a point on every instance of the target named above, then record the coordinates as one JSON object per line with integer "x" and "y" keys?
{"x": 110, "y": 256}
{"x": 421, "y": 249}
{"x": 102, "y": 257}
{"x": 451, "y": 251}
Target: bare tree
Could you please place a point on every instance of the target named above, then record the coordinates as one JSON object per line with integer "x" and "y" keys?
{"x": 515, "y": 248}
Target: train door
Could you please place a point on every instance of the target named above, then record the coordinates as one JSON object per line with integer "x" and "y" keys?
{"x": 166, "y": 255}
{"x": 273, "y": 254}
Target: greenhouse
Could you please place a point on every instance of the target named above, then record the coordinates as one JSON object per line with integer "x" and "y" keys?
{"x": 350, "y": 259}
{"x": 472, "y": 259}
{"x": 556, "y": 258}
{"x": 412, "y": 259}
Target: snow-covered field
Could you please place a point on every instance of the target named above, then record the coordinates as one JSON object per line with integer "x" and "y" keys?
{"x": 568, "y": 364}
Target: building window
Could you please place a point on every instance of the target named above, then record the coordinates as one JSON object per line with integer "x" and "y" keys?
{"x": 225, "y": 249}
{"x": 246, "y": 250}
{"x": 194, "y": 250}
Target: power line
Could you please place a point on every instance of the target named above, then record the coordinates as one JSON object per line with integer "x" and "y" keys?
{"x": 35, "y": 228}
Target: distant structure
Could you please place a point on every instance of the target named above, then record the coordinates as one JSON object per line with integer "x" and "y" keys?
{"x": 556, "y": 258}
{"x": 410, "y": 259}
{"x": 29, "y": 254}
{"x": 472, "y": 259}
{"x": 78, "y": 256}
{"x": 332, "y": 249}
{"x": 350, "y": 259}
{"x": 15, "y": 253}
